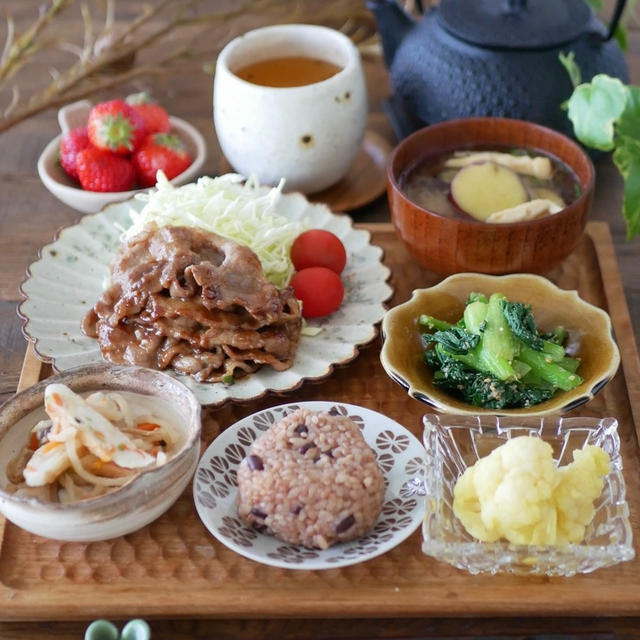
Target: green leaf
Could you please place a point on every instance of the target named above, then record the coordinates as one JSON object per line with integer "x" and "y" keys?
{"x": 624, "y": 154}
{"x": 596, "y": 5}
{"x": 594, "y": 108}
{"x": 627, "y": 158}
{"x": 629, "y": 122}
{"x": 620, "y": 34}
{"x": 569, "y": 63}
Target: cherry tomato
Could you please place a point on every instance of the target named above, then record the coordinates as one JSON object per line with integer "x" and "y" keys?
{"x": 318, "y": 248}
{"x": 320, "y": 290}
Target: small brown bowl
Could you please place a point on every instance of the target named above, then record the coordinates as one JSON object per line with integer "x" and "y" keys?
{"x": 452, "y": 245}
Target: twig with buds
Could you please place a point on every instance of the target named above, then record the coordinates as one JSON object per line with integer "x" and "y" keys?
{"x": 106, "y": 56}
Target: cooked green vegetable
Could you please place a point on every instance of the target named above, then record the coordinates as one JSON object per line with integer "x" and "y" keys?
{"x": 431, "y": 323}
{"x": 482, "y": 389}
{"x": 558, "y": 336}
{"x": 495, "y": 357}
{"x": 454, "y": 340}
{"x": 522, "y": 323}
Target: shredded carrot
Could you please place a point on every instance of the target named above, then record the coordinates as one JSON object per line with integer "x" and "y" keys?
{"x": 147, "y": 426}
{"x": 34, "y": 443}
{"x": 109, "y": 470}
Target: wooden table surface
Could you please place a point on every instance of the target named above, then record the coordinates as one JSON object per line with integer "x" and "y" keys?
{"x": 30, "y": 215}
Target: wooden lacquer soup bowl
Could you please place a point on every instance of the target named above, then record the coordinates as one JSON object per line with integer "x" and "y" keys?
{"x": 449, "y": 245}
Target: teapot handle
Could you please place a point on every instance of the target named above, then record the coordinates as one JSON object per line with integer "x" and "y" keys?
{"x": 617, "y": 14}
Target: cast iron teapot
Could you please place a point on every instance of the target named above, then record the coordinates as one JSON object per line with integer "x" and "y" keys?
{"x": 492, "y": 58}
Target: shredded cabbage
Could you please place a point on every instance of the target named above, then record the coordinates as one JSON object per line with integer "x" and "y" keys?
{"x": 231, "y": 207}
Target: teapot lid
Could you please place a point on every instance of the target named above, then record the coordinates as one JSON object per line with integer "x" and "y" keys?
{"x": 515, "y": 24}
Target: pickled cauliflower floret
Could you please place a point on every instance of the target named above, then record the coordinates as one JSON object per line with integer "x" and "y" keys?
{"x": 580, "y": 484}
{"x": 517, "y": 493}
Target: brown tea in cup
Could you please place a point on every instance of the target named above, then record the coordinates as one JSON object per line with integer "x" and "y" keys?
{"x": 293, "y": 71}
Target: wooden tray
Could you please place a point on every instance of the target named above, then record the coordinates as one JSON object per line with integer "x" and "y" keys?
{"x": 174, "y": 568}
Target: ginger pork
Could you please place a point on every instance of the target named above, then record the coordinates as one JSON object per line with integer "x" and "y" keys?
{"x": 194, "y": 301}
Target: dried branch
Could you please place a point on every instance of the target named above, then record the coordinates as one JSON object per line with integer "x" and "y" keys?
{"x": 26, "y": 44}
{"x": 100, "y": 56}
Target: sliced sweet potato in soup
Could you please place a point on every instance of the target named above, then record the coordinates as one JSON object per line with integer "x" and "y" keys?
{"x": 484, "y": 188}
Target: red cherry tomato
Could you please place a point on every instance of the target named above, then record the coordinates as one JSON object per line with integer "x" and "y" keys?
{"x": 320, "y": 290}
{"x": 318, "y": 248}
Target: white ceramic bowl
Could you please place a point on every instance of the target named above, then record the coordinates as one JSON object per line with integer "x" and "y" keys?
{"x": 127, "y": 508}
{"x": 68, "y": 191}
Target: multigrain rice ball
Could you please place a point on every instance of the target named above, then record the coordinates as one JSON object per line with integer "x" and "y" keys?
{"x": 311, "y": 479}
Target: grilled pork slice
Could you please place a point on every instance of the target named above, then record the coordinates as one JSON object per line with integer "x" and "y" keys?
{"x": 195, "y": 301}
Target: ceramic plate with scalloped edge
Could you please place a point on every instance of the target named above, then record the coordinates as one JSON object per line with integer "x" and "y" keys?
{"x": 400, "y": 456}
{"x": 67, "y": 279}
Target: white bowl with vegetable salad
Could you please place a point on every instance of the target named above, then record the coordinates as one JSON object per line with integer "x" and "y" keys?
{"x": 520, "y": 345}
{"x": 97, "y": 451}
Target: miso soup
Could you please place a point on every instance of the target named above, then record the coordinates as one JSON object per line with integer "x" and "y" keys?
{"x": 491, "y": 185}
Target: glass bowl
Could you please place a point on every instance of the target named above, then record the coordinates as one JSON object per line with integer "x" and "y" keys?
{"x": 454, "y": 442}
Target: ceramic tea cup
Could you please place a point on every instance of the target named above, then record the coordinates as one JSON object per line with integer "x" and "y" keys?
{"x": 308, "y": 133}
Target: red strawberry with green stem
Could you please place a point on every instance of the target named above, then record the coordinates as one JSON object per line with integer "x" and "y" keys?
{"x": 100, "y": 170}
{"x": 116, "y": 127}
{"x": 155, "y": 117}
{"x": 160, "y": 151}
{"x": 71, "y": 144}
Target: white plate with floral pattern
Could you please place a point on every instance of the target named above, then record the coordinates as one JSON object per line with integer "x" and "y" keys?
{"x": 400, "y": 455}
{"x": 68, "y": 278}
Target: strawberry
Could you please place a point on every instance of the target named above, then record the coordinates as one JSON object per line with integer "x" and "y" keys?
{"x": 116, "y": 127}
{"x": 160, "y": 151}
{"x": 71, "y": 144}
{"x": 155, "y": 117}
{"x": 100, "y": 170}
